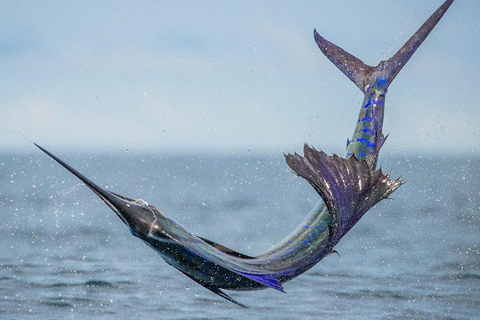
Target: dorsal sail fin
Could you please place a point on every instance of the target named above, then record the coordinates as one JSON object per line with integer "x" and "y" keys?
{"x": 226, "y": 250}
{"x": 349, "y": 187}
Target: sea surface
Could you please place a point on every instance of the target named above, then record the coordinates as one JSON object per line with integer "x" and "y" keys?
{"x": 65, "y": 254}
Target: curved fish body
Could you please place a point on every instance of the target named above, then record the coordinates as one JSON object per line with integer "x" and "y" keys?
{"x": 313, "y": 238}
{"x": 349, "y": 187}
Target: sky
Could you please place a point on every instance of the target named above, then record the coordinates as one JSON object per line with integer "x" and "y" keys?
{"x": 215, "y": 76}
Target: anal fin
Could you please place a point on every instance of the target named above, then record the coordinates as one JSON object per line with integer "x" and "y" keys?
{"x": 266, "y": 280}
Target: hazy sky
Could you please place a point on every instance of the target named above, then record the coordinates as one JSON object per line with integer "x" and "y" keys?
{"x": 153, "y": 76}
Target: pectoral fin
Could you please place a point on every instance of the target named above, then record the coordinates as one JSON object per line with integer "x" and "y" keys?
{"x": 216, "y": 290}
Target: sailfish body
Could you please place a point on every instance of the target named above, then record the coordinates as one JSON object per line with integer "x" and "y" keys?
{"x": 349, "y": 187}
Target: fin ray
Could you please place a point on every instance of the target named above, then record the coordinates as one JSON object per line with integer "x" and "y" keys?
{"x": 349, "y": 187}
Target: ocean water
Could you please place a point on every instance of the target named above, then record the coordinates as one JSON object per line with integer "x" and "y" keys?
{"x": 65, "y": 255}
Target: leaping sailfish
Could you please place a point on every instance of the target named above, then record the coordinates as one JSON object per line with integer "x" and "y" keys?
{"x": 348, "y": 186}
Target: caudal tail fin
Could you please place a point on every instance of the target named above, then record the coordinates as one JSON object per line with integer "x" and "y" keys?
{"x": 362, "y": 74}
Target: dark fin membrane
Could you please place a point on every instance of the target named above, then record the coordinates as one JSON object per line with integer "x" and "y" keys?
{"x": 349, "y": 187}
{"x": 362, "y": 74}
{"x": 216, "y": 290}
{"x": 226, "y": 250}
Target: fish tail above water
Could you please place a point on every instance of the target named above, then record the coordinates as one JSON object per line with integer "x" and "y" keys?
{"x": 349, "y": 186}
{"x": 368, "y": 137}
{"x": 362, "y": 74}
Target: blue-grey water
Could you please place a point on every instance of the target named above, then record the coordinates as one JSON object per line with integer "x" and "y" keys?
{"x": 64, "y": 254}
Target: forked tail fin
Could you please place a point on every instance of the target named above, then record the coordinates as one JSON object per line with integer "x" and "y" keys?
{"x": 362, "y": 74}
